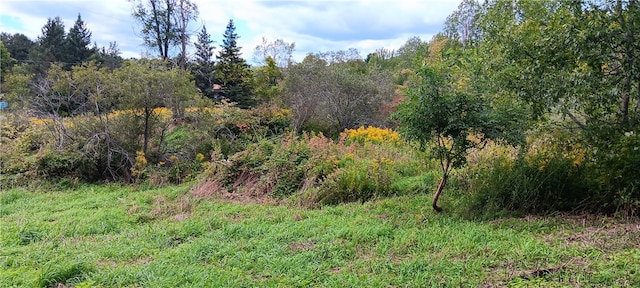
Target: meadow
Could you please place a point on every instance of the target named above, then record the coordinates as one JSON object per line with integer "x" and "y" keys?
{"x": 176, "y": 236}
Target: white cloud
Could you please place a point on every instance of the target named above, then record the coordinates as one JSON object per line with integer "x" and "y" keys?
{"x": 313, "y": 25}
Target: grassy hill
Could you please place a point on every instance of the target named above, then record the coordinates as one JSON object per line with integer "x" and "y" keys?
{"x": 112, "y": 236}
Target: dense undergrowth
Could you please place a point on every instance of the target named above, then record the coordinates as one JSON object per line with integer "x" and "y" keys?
{"x": 253, "y": 153}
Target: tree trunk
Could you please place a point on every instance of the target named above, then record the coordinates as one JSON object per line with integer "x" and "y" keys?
{"x": 443, "y": 182}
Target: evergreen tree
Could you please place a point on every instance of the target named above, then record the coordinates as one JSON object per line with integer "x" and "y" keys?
{"x": 77, "y": 43}
{"x": 203, "y": 70}
{"x": 50, "y": 47}
{"x": 232, "y": 71}
{"x": 18, "y": 45}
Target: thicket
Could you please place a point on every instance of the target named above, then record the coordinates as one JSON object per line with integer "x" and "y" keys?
{"x": 311, "y": 169}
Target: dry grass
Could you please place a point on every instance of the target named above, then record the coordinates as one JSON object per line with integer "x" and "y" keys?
{"x": 213, "y": 189}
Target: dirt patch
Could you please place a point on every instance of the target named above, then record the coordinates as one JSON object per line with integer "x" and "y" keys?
{"x": 335, "y": 270}
{"x": 180, "y": 217}
{"x": 502, "y": 275}
{"x": 606, "y": 238}
{"x": 301, "y": 246}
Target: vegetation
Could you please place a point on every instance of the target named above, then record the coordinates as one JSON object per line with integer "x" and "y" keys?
{"x": 233, "y": 71}
{"x": 120, "y": 236}
{"x": 503, "y": 76}
{"x": 208, "y": 172}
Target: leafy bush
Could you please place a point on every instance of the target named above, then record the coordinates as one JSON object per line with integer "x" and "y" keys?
{"x": 56, "y": 165}
{"x": 556, "y": 173}
{"x": 358, "y": 181}
{"x": 547, "y": 176}
{"x": 616, "y": 173}
{"x": 317, "y": 170}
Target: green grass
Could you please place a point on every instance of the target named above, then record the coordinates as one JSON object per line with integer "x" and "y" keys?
{"x": 111, "y": 236}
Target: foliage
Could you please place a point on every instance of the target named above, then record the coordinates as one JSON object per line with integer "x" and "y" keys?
{"x": 559, "y": 58}
{"x": 233, "y": 71}
{"x": 267, "y": 80}
{"x": 314, "y": 170}
{"x": 370, "y": 134}
{"x": 540, "y": 179}
{"x": 443, "y": 111}
{"x": 6, "y": 62}
{"x": 19, "y": 45}
{"x": 279, "y": 51}
{"x": 616, "y": 174}
{"x": 462, "y": 25}
{"x": 203, "y": 69}
{"x": 77, "y": 44}
{"x": 337, "y": 95}
{"x": 51, "y": 45}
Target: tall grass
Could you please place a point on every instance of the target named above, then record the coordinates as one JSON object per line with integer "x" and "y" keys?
{"x": 113, "y": 236}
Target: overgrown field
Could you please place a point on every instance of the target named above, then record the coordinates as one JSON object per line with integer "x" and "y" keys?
{"x": 113, "y": 236}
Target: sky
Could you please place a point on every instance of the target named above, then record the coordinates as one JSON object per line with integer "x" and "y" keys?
{"x": 313, "y": 25}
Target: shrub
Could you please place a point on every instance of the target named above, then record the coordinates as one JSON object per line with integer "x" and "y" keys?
{"x": 547, "y": 176}
{"x": 318, "y": 170}
{"x": 271, "y": 166}
{"x": 59, "y": 164}
{"x": 371, "y": 134}
{"x": 616, "y": 173}
{"x": 358, "y": 181}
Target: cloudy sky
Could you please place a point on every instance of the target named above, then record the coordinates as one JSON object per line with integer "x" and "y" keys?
{"x": 313, "y": 25}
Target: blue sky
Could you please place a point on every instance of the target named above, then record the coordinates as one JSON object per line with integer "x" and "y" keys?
{"x": 314, "y": 26}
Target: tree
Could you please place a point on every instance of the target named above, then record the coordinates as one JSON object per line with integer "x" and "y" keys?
{"x": 50, "y": 45}
{"x": 164, "y": 25}
{"x": 279, "y": 51}
{"x": 186, "y": 11}
{"x": 204, "y": 68}
{"x": 232, "y": 70}
{"x": 6, "y": 62}
{"x": 336, "y": 96}
{"x": 340, "y": 56}
{"x": 445, "y": 109}
{"x": 77, "y": 43}
{"x": 266, "y": 80}
{"x": 415, "y": 49}
{"x": 462, "y": 24}
{"x": 382, "y": 58}
{"x": 18, "y": 45}
{"x": 109, "y": 57}
{"x": 158, "y": 29}
{"x": 146, "y": 85}
{"x": 576, "y": 64}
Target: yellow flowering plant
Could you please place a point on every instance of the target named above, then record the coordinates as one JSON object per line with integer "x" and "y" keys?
{"x": 370, "y": 134}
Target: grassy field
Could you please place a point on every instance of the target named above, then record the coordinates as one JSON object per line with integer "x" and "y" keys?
{"x": 110, "y": 236}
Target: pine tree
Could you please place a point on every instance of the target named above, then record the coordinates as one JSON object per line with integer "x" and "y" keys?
{"x": 233, "y": 71}
{"x": 77, "y": 43}
{"x": 50, "y": 47}
{"x": 203, "y": 70}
